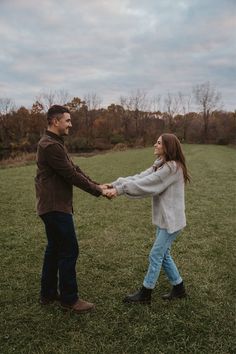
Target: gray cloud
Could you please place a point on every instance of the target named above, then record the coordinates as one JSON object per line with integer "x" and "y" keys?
{"x": 115, "y": 47}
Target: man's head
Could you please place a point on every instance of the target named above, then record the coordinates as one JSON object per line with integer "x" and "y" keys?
{"x": 59, "y": 120}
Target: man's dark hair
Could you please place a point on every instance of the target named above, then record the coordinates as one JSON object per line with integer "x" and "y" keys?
{"x": 56, "y": 111}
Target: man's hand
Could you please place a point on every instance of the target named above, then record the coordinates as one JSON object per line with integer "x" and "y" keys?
{"x": 106, "y": 186}
{"x": 109, "y": 193}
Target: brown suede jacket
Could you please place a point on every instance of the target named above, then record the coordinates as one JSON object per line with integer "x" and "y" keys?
{"x": 56, "y": 176}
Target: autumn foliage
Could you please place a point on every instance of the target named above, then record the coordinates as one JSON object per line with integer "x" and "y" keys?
{"x": 119, "y": 125}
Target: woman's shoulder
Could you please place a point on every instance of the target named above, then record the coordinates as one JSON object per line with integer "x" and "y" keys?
{"x": 170, "y": 168}
{"x": 171, "y": 165}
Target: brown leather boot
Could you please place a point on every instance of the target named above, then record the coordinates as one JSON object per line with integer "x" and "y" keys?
{"x": 80, "y": 306}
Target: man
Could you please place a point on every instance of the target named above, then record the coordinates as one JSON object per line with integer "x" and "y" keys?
{"x": 56, "y": 176}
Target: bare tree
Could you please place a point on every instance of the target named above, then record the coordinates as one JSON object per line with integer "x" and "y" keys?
{"x": 156, "y": 104}
{"x": 172, "y": 104}
{"x": 92, "y": 101}
{"x": 171, "y": 107}
{"x": 62, "y": 96}
{"x": 139, "y": 100}
{"x": 136, "y": 103}
{"x": 185, "y": 101}
{"x": 7, "y": 105}
{"x": 90, "y": 104}
{"x": 125, "y": 104}
{"x": 47, "y": 99}
{"x": 208, "y": 99}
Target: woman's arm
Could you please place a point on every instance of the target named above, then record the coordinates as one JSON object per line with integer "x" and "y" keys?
{"x": 152, "y": 184}
{"x": 143, "y": 174}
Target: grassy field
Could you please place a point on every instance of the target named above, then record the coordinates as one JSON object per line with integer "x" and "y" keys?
{"x": 115, "y": 238}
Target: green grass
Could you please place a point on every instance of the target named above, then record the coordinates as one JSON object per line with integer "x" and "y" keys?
{"x": 115, "y": 238}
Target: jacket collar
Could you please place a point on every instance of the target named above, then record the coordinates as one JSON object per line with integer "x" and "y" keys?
{"x": 55, "y": 136}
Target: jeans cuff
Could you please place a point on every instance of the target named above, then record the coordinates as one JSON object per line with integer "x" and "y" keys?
{"x": 148, "y": 286}
{"x": 176, "y": 282}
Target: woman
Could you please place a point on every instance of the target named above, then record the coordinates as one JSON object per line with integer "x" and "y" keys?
{"x": 164, "y": 181}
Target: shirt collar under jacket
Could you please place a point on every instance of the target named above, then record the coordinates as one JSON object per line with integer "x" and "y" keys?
{"x": 55, "y": 136}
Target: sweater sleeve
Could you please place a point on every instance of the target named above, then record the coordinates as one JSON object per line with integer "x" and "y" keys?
{"x": 152, "y": 184}
{"x": 61, "y": 164}
{"x": 122, "y": 180}
{"x": 142, "y": 174}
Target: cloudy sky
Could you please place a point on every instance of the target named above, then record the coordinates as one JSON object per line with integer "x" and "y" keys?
{"x": 116, "y": 47}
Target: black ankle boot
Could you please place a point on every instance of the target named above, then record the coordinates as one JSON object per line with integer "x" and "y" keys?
{"x": 178, "y": 291}
{"x": 143, "y": 296}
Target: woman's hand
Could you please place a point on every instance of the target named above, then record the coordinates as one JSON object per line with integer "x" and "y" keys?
{"x": 106, "y": 186}
{"x": 109, "y": 193}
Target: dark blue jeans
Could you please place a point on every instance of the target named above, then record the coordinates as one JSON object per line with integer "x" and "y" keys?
{"x": 60, "y": 257}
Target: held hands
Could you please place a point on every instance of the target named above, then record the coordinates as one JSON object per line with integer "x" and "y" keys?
{"x": 108, "y": 191}
{"x": 106, "y": 186}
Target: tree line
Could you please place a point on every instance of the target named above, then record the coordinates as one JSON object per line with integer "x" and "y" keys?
{"x": 136, "y": 121}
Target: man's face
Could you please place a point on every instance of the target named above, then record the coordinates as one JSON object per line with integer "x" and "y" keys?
{"x": 63, "y": 124}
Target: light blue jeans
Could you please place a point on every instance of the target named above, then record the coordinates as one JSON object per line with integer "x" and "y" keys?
{"x": 160, "y": 257}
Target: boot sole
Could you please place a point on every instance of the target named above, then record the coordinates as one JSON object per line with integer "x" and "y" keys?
{"x": 137, "y": 302}
{"x": 48, "y": 302}
{"x": 78, "y": 312}
{"x": 174, "y": 297}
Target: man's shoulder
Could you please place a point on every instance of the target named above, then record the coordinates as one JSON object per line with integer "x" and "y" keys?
{"x": 47, "y": 140}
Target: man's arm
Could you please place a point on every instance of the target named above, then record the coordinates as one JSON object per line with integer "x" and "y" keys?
{"x": 58, "y": 160}
{"x": 78, "y": 169}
